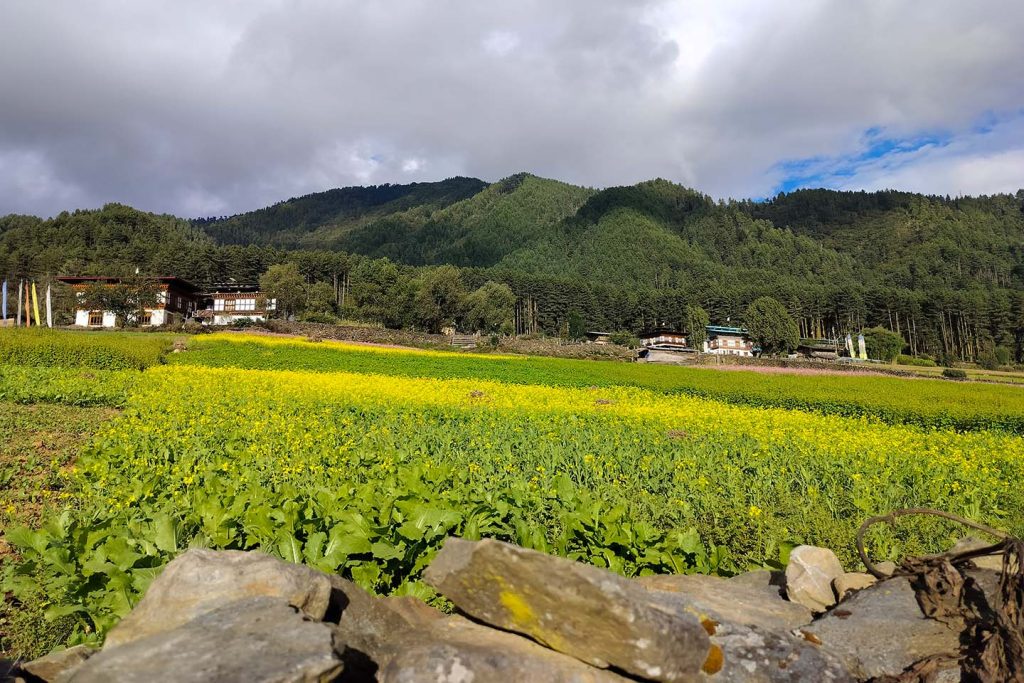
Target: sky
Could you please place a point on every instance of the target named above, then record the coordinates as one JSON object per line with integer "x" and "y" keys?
{"x": 208, "y": 108}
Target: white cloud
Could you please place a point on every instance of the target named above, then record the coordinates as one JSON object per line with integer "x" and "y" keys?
{"x": 197, "y": 106}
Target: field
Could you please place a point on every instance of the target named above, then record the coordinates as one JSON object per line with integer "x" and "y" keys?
{"x": 361, "y": 461}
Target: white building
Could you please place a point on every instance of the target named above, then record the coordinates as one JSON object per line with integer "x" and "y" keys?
{"x": 176, "y": 301}
{"x": 227, "y": 304}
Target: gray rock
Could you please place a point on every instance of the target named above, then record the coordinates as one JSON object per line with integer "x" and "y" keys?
{"x": 592, "y": 614}
{"x": 880, "y": 631}
{"x": 201, "y": 580}
{"x": 254, "y": 640}
{"x": 727, "y": 600}
{"x": 990, "y": 562}
{"x": 809, "y": 576}
{"x": 852, "y": 581}
{"x": 888, "y": 567}
{"x": 455, "y": 650}
{"x": 754, "y": 655}
{"x": 51, "y": 666}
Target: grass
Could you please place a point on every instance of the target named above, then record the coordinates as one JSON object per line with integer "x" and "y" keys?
{"x": 37, "y": 445}
{"x": 895, "y": 400}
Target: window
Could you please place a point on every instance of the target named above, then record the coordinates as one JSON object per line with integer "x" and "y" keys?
{"x": 271, "y": 304}
{"x": 146, "y": 318}
{"x": 218, "y": 304}
{"x": 229, "y": 305}
{"x": 245, "y": 304}
{"x": 95, "y": 318}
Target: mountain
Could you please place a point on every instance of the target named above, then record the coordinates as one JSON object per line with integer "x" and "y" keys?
{"x": 294, "y": 223}
{"x": 946, "y": 273}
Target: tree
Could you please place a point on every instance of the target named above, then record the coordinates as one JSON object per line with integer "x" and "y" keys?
{"x": 284, "y": 283}
{"x": 440, "y": 298}
{"x": 320, "y": 299}
{"x": 577, "y": 326}
{"x": 127, "y": 299}
{"x": 882, "y": 344}
{"x": 697, "y": 320}
{"x": 771, "y": 327}
{"x": 490, "y": 307}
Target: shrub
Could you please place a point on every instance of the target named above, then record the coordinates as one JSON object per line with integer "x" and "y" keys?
{"x": 915, "y": 361}
{"x": 103, "y": 350}
{"x": 627, "y": 339}
{"x": 882, "y": 344}
{"x": 1002, "y": 355}
{"x": 954, "y": 373}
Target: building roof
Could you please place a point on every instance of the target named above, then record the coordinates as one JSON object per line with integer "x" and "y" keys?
{"x": 111, "y": 279}
{"x": 719, "y": 329}
{"x": 230, "y": 287}
{"x": 660, "y": 332}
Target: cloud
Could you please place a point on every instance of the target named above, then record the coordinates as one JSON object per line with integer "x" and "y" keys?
{"x": 195, "y": 107}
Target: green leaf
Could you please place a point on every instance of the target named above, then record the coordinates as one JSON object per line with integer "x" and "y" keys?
{"x": 290, "y": 547}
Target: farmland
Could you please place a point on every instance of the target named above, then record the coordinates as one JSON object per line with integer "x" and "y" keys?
{"x": 361, "y": 461}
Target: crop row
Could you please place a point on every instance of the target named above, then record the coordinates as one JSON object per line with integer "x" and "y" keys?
{"x": 924, "y": 402}
{"x": 68, "y": 386}
{"x": 100, "y": 350}
{"x": 366, "y": 474}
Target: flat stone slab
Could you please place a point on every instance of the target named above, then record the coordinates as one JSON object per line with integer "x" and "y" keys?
{"x": 730, "y": 601}
{"x": 881, "y": 631}
{"x": 455, "y": 650}
{"x": 198, "y": 581}
{"x": 50, "y": 667}
{"x": 594, "y": 615}
{"x": 754, "y": 655}
{"x": 254, "y": 640}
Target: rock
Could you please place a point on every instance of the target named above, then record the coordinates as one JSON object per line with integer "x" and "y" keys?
{"x": 754, "y": 655}
{"x": 880, "y": 631}
{"x": 455, "y": 650}
{"x": 200, "y": 580}
{"x": 48, "y": 668}
{"x": 773, "y": 583}
{"x": 732, "y": 601}
{"x": 852, "y": 581}
{"x": 592, "y": 614}
{"x": 887, "y": 567}
{"x": 254, "y": 639}
{"x": 990, "y": 562}
{"x": 809, "y": 576}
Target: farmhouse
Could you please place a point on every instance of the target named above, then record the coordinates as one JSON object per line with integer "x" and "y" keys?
{"x": 664, "y": 339}
{"x": 176, "y": 300}
{"x": 599, "y": 337}
{"x": 228, "y": 303}
{"x": 728, "y": 341}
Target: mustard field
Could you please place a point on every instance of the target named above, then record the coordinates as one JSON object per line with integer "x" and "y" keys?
{"x": 365, "y": 473}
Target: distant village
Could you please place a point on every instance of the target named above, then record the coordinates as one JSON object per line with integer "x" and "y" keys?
{"x": 179, "y": 301}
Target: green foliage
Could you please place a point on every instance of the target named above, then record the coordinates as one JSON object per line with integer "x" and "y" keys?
{"x": 490, "y": 307}
{"x": 915, "y": 361}
{"x": 68, "y": 386}
{"x": 624, "y": 338}
{"x": 697, "y": 320}
{"x": 771, "y": 327}
{"x": 320, "y": 299}
{"x": 1002, "y": 355}
{"x": 103, "y": 350}
{"x": 285, "y": 283}
{"x": 954, "y": 373}
{"x": 883, "y": 344}
{"x": 577, "y": 326}
{"x": 440, "y": 300}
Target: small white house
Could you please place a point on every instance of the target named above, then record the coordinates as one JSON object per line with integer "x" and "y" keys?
{"x": 728, "y": 341}
{"x": 226, "y": 304}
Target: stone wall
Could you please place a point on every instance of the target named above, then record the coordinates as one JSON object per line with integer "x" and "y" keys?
{"x": 520, "y": 615}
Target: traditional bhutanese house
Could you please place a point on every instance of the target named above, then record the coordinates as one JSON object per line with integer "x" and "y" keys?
{"x": 728, "y": 341}
{"x": 664, "y": 338}
{"x": 599, "y": 337}
{"x": 228, "y": 303}
{"x": 176, "y": 300}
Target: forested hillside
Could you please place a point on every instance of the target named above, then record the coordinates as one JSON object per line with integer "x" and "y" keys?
{"x": 946, "y": 274}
